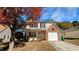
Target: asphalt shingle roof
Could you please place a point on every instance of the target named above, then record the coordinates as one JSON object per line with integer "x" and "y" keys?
{"x": 72, "y": 29}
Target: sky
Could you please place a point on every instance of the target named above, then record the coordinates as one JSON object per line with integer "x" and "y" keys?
{"x": 60, "y": 14}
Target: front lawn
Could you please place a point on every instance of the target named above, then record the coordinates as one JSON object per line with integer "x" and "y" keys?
{"x": 36, "y": 46}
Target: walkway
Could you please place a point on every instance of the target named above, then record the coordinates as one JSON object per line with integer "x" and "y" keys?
{"x": 64, "y": 46}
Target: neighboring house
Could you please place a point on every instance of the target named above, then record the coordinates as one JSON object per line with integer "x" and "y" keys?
{"x": 36, "y": 30}
{"x": 5, "y": 33}
{"x": 72, "y": 32}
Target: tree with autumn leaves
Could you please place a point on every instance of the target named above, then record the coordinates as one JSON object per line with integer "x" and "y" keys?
{"x": 32, "y": 12}
{"x": 13, "y": 12}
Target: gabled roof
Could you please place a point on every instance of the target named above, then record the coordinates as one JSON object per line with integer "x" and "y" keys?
{"x": 57, "y": 27}
{"x": 72, "y": 29}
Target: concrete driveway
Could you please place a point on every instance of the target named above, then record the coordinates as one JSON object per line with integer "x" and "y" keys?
{"x": 64, "y": 46}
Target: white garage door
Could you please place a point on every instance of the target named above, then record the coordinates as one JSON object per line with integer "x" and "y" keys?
{"x": 52, "y": 36}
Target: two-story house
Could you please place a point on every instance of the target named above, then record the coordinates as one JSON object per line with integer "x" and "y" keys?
{"x": 41, "y": 31}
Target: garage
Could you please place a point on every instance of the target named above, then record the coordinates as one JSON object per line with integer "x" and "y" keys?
{"x": 52, "y": 36}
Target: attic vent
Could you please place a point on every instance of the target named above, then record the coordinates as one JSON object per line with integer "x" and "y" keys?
{"x": 52, "y": 29}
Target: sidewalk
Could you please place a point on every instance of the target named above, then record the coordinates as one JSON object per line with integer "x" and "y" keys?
{"x": 64, "y": 46}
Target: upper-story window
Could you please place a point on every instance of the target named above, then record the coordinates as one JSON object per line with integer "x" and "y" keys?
{"x": 33, "y": 26}
{"x": 42, "y": 25}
